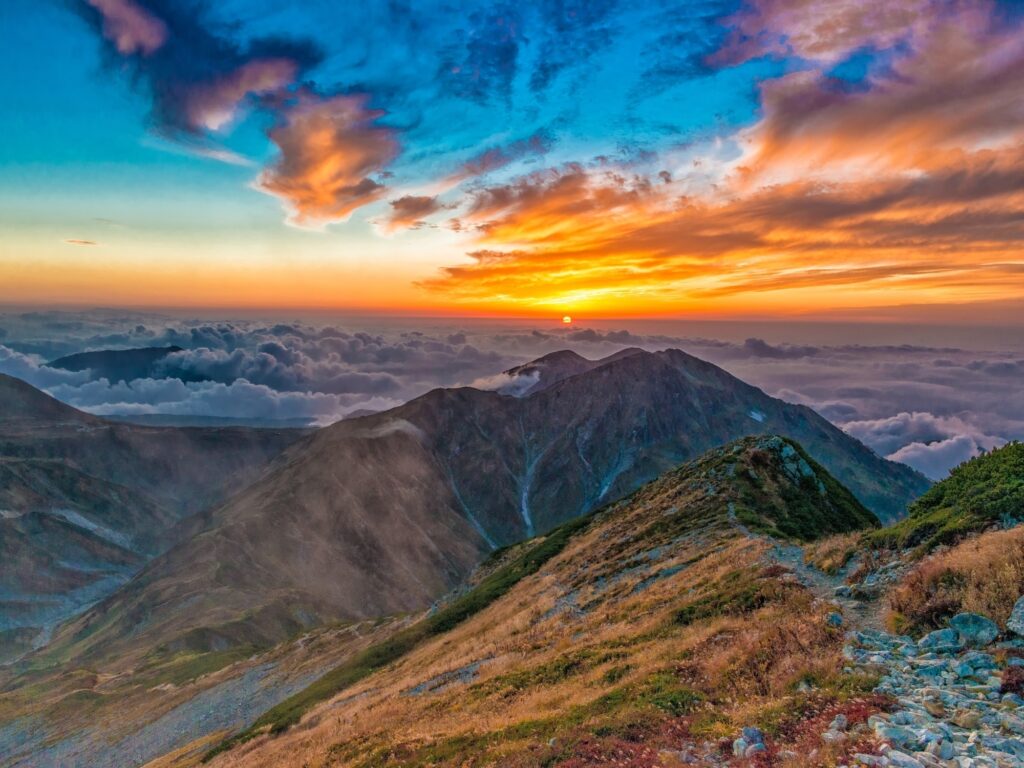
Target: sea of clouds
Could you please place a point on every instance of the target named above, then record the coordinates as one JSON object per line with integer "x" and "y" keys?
{"x": 929, "y": 406}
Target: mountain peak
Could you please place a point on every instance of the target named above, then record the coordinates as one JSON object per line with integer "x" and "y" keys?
{"x": 557, "y": 366}
{"x": 780, "y": 490}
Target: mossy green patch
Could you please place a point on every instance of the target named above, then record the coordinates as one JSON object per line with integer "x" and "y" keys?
{"x": 977, "y": 494}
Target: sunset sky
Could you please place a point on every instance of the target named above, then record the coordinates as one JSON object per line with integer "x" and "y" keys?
{"x": 598, "y": 158}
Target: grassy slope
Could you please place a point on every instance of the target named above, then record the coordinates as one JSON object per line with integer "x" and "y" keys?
{"x": 691, "y": 504}
{"x": 976, "y": 495}
{"x": 498, "y": 583}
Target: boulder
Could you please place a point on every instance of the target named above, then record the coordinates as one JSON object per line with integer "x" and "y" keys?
{"x": 1016, "y": 622}
{"x": 753, "y": 735}
{"x": 941, "y": 640}
{"x": 974, "y": 630}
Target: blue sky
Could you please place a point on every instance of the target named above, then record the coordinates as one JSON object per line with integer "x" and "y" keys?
{"x": 449, "y": 156}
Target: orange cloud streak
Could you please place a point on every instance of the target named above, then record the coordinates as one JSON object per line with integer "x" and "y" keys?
{"x": 911, "y": 190}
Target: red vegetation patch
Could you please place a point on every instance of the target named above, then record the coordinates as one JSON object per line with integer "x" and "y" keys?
{"x": 804, "y": 735}
{"x": 1012, "y": 680}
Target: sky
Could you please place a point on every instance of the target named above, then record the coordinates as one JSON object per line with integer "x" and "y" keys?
{"x": 779, "y": 159}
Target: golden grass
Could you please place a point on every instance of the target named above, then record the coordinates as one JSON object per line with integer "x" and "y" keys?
{"x": 982, "y": 575}
{"x": 832, "y": 553}
{"x": 744, "y": 666}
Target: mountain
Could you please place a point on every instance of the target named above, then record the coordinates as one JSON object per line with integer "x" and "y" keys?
{"x": 678, "y": 606}
{"x": 685, "y": 626}
{"x": 550, "y": 369}
{"x": 381, "y": 514}
{"x": 84, "y": 502}
{"x": 116, "y": 364}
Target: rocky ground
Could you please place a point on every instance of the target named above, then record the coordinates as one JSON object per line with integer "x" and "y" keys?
{"x": 958, "y": 692}
{"x": 959, "y": 689}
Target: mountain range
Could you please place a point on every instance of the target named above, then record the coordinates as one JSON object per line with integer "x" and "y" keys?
{"x": 382, "y": 514}
{"x": 681, "y": 568}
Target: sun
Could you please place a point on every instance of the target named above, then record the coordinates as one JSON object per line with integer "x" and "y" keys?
{"x": 567, "y": 320}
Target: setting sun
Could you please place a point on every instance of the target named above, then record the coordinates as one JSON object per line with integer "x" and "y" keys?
{"x": 567, "y": 320}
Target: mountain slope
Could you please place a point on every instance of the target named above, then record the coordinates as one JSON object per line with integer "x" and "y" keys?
{"x": 381, "y": 514}
{"x": 84, "y": 503}
{"x": 668, "y": 602}
{"x": 683, "y": 630}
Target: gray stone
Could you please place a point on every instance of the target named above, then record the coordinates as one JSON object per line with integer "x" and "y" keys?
{"x": 944, "y": 639}
{"x": 753, "y": 735}
{"x": 1016, "y": 621}
{"x": 974, "y": 630}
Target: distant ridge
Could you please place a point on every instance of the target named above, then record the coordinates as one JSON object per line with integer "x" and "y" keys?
{"x": 116, "y": 364}
{"x": 85, "y": 502}
{"x": 20, "y": 401}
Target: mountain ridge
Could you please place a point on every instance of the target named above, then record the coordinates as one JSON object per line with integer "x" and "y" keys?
{"x": 380, "y": 514}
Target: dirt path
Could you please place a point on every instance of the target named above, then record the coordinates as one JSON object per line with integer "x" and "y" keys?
{"x": 857, "y": 614}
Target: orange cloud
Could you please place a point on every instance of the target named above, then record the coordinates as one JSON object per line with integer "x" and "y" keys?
{"x": 328, "y": 150}
{"x": 606, "y": 238}
{"x": 959, "y": 91}
{"x": 909, "y": 190}
{"x": 408, "y": 212}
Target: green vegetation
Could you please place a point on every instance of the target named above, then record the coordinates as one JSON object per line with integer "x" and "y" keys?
{"x": 812, "y": 505}
{"x": 549, "y": 673}
{"x": 735, "y": 594}
{"x": 381, "y": 654}
{"x": 977, "y": 494}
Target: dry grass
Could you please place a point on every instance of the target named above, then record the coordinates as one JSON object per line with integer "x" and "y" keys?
{"x": 655, "y": 627}
{"x": 833, "y": 553}
{"x": 640, "y": 676}
{"x": 982, "y": 575}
